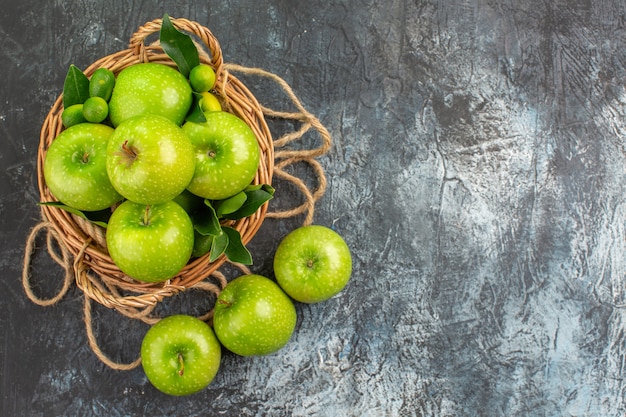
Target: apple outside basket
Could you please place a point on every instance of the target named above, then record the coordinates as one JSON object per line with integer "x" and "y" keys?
{"x": 94, "y": 271}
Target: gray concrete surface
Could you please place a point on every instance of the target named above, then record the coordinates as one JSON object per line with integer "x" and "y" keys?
{"x": 477, "y": 173}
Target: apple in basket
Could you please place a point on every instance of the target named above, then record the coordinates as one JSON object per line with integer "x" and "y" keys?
{"x": 150, "y": 88}
{"x": 227, "y": 155}
{"x": 75, "y": 168}
{"x": 150, "y": 159}
{"x": 150, "y": 243}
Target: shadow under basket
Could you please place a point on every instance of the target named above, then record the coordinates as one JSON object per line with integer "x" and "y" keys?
{"x": 94, "y": 271}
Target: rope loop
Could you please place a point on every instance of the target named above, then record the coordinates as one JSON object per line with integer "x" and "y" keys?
{"x": 79, "y": 247}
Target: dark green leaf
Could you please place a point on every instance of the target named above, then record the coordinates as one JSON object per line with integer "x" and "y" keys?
{"x": 219, "y": 246}
{"x": 230, "y": 205}
{"x": 236, "y": 251}
{"x": 196, "y": 114}
{"x": 206, "y": 222}
{"x": 191, "y": 203}
{"x": 253, "y": 187}
{"x": 99, "y": 218}
{"x": 266, "y": 187}
{"x": 178, "y": 46}
{"x": 255, "y": 199}
{"x": 75, "y": 87}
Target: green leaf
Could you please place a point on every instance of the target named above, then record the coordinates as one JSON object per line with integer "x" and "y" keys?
{"x": 99, "y": 218}
{"x": 255, "y": 198}
{"x": 236, "y": 251}
{"x": 230, "y": 205}
{"x": 178, "y": 46}
{"x": 75, "y": 87}
{"x": 253, "y": 187}
{"x": 219, "y": 246}
{"x": 206, "y": 221}
{"x": 266, "y": 187}
{"x": 195, "y": 113}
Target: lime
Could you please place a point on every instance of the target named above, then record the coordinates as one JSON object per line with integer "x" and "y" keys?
{"x": 210, "y": 102}
{"x": 95, "y": 109}
{"x": 101, "y": 83}
{"x": 202, "y": 78}
{"x": 201, "y": 244}
{"x": 73, "y": 115}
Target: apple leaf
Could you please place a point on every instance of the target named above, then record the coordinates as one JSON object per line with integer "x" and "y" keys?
{"x": 265, "y": 187}
{"x": 231, "y": 204}
{"x": 178, "y": 46}
{"x": 196, "y": 114}
{"x": 75, "y": 87}
{"x": 219, "y": 245}
{"x": 255, "y": 198}
{"x": 236, "y": 251}
{"x": 206, "y": 221}
{"x": 99, "y": 218}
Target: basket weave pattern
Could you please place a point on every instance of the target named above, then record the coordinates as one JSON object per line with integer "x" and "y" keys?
{"x": 80, "y": 246}
{"x": 94, "y": 271}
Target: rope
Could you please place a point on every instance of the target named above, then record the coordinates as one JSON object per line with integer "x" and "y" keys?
{"x": 93, "y": 343}
{"x": 62, "y": 259}
{"x": 77, "y": 257}
{"x": 287, "y": 157}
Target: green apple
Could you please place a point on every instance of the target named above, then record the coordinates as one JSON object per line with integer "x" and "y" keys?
{"x": 227, "y": 155}
{"x": 75, "y": 168}
{"x": 150, "y": 159}
{"x": 150, "y": 243}
{"x": 312, "y": 263}
{"x": 253, "y": 316}
{"x": 150, "y": 88}
{"x": 180, "y": 355}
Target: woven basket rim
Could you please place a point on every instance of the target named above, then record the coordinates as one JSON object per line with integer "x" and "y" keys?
{"x": 85, "y": 241}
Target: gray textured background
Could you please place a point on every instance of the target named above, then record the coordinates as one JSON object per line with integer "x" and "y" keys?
{"x": 477, "y": 172}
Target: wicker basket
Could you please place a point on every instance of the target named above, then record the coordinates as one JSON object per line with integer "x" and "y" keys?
{"x": 94, "y": 271}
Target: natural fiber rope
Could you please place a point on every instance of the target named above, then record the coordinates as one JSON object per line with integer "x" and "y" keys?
{"x": 63, "y": 260}
{"x": 285, "y": 158}
{"x": 110, "y": 288}
{"x": 93, "y": 343}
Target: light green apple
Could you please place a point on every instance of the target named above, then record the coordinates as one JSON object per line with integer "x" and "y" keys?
{"x": 75, "y": 168}
{"x": 150, "y": 159}
{"x": 150, "y": 88}
{"x": 227, "y": 155}
{"x": 312, "y": 263}
{"x": 150, "y": 243}
{"x": 253, "y": 316}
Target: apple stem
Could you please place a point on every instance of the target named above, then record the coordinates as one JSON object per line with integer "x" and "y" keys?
{"x": 85, "y": 157}
{"x": 181, "y": 363}
{"x": 310, "y": 263}
{"x": 130, "y": 151}
{"x": 146, "y": 216}
{"x": 224, "y": 302}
